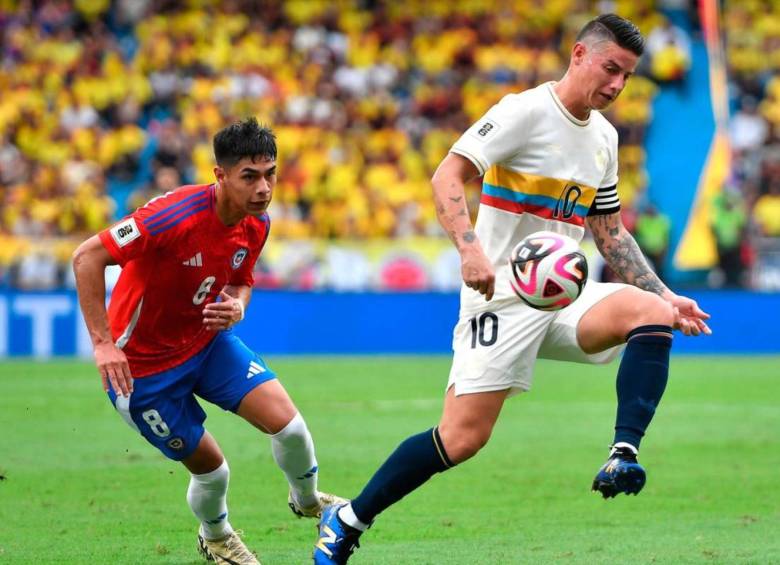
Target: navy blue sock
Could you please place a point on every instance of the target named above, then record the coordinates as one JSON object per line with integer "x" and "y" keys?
{"x": 641, "y": 381}
{"x": 408, "y": 467}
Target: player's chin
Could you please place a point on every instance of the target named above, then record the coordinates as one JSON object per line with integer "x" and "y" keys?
{"x": 601, "y": 101}
{"x": 257, "y": 207}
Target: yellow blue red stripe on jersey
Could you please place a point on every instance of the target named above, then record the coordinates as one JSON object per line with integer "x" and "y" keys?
{"x": 550, "y": 198}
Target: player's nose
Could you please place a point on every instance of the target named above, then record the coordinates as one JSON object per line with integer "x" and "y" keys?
{"x": 617, "y": 84}
{"x": 263, "y": 187}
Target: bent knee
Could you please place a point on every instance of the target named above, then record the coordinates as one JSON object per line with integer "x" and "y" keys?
{"x": 461, "y": 445}
{"x": 644, "y": 309}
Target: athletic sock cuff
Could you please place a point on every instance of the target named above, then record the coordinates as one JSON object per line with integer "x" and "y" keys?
{"x": 219, "y": 474}
{"x": 440, "y": 449}
{"x": 652, "y": 333}
{"x": 295, "y": 428}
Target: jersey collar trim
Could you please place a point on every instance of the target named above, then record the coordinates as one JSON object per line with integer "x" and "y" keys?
{"x": 212, "y": 196}
{"x": 562, "y": 108}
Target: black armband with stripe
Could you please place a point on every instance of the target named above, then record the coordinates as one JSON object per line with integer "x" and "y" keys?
{"x": 606, "y": 202}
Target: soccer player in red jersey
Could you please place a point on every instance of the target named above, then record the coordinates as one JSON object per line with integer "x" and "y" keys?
{"x": 187, "y": 259}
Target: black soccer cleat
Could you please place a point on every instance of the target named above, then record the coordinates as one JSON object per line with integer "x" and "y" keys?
{"x": 621, "y": 473}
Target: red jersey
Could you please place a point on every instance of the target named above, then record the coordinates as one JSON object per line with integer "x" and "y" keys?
{"x": 176, "y": 256}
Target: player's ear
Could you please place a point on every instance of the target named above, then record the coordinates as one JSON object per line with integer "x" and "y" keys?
{"x": 219, "y": 173}
{"x": 578, "y": 53}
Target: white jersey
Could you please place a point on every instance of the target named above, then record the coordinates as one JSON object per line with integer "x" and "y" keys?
{"x": 543, "y": 170}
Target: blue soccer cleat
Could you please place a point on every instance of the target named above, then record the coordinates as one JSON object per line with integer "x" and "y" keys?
{"x": 336, "y": 540}
{"x": 621, "y": 473}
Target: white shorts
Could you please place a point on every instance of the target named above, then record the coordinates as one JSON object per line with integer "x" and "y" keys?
{"x": 496, "y": 349}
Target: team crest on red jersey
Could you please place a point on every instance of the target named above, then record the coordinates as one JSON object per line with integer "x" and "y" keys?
{"x": 238, "y": 257}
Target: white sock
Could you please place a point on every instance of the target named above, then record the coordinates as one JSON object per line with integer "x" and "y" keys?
{"x": 293, "y": 451}
{"x": 619, "y": 444}
{"x": 347, "y": 516}
{"x": 207, "y": 497}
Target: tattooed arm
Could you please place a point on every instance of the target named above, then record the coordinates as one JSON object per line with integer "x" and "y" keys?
{"x": 622, "y": 254}
{"x": 450, "y": 197}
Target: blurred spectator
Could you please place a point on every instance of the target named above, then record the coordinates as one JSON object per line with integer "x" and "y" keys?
{"x": 748, "y": 130}
{"x": 172, "y": 150}
{"x": 766, "y": 211}
{"x": 165, "y": 180}
{"x": 729, "y": 221}
{"x": 652, "y": 230}
{"x": 669, "y": 52}
{"x": 13, "y": 167}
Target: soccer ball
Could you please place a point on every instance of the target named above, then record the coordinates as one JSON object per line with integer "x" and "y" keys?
{"x": 549, "y": 270}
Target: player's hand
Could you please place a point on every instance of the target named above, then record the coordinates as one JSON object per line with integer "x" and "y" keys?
{"x": 477, "y": 271}
{"x": 224, "y": 314}
{"x": 688, "y": 317}
{"x": 114, "y": 368}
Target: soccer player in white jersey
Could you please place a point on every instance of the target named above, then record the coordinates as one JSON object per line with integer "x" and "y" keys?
{"x": 549, "y": 162}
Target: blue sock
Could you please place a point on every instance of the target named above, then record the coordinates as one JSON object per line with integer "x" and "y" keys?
{"x": 641, "y": 381}
{"x": 408, "y": 467}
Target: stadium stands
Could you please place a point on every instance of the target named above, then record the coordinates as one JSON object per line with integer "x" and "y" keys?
{"x": 752, "y": 54}
{"x": 107, "y": 104}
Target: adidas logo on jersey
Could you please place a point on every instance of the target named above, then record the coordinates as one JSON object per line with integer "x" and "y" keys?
{"x": 254, "y": 369}
{"x": 194, "y": 261}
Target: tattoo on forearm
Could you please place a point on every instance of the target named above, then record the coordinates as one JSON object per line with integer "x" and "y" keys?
{"x": 450, "y": 210}
{"x": 623, "y": 255}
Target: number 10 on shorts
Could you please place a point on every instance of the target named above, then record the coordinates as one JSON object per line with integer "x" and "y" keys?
{"x": 484, "y": 329}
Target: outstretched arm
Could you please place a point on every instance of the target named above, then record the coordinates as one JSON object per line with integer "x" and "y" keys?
{"x": 622, "y": 254}
{"x": 89, "y": 264}
{"x": 450, "y": 197}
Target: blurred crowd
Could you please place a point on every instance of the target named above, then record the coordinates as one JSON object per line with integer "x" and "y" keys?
{"x": 746, "y": 219}
{"x": 108, "y": 103}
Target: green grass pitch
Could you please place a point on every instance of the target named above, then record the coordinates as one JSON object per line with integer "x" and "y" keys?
{"x": 80, "y": 487}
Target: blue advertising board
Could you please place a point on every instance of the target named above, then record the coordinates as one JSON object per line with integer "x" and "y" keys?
{"x": 49, "y": 324}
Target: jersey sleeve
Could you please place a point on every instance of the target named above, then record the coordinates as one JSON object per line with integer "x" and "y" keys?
{"x": 497, "y": 135}
{"x": 244, "y": 275}
{"x": 128, "y": 239}
{"x": 607, "y": 200}
{"x": 611, "y": 173}
{"x": 143, "y": 231}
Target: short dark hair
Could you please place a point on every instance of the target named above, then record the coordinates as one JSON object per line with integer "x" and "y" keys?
{"x": 612, "y": 27}
{"x": 242, "y": 139}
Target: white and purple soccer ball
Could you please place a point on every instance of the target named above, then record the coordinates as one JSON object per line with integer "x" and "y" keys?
{"x": 549, "y": 270}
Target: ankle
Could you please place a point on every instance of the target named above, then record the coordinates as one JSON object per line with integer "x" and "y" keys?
{"x": 347, "y": 516}
{"x": 623, "y": 445}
